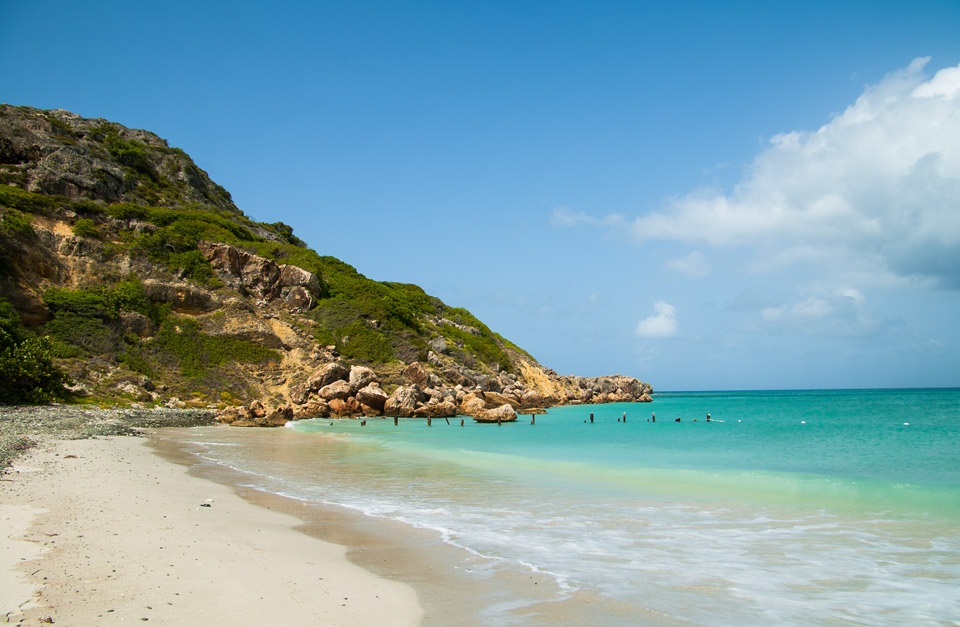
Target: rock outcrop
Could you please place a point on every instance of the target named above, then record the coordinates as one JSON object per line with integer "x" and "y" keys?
{"x": 262, "y": 278}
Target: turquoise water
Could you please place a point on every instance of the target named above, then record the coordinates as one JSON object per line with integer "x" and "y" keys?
{"x": 793, "y": 507}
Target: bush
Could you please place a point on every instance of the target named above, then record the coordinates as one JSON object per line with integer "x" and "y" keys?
{"x": 85, "y": 227}
{"x": 26, "y": 367}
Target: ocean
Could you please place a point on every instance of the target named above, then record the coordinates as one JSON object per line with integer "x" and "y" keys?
{"x": 787, "y": 507}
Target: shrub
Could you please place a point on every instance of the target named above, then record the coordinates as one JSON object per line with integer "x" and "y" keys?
{"x": 85, "y": 227}
{"x": 26, "y": 367}
{"x": 28, "y": 202}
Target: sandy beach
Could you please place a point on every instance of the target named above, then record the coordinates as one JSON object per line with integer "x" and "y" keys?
{"x": 104, "y": 531}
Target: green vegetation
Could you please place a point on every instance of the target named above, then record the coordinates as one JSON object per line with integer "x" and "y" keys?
{"x": 85, "y": 227}
{"x": 197, "y": 352}
{"x": 26, "y": 365}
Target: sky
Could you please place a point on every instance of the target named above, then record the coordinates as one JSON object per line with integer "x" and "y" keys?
{"x": 702, "y": 195}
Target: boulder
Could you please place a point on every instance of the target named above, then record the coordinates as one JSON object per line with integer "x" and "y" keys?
{"x": 531, "y": 398}
{"x": 326, "y": 375}
{"x": 472, "y": 404}
{"x": 336, "y": 390}
{"x": 504, "y": 413}
{"x": 373, "y": 397}
{"x": 279, "y": 416}
{"x": 261, "y": 277}
{"x": 344, "y": 407}
{"x": 361, "y": 377}
{"x": 416, "y": 374}
{"x": 313, "y": 408}
{"x": 436, "y": 408}
{"x": 294, "y": 276}
{"x": 403, "y": 401}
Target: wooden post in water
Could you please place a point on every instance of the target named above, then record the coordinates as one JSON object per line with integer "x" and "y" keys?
{"x": 591, "y": 417}
{"x": 447, "y": 419}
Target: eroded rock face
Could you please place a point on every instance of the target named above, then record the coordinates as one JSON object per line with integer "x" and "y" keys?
{"x": 183, "y": 297}
{"x": 260, "y": 277}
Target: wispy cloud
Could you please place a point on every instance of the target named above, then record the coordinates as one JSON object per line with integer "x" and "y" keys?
{"x": 567, "y": 217}
{"x": 663, "y": 323}
{"x": 877, "y": 186}
{"x": 840, "y": 312}
{"x": 694, "y": 265}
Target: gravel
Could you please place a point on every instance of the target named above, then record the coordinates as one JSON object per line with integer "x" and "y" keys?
{"x": 22, "y": 428}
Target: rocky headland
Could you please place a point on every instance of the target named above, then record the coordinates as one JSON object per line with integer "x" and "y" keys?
{"x": 155, "y": 289}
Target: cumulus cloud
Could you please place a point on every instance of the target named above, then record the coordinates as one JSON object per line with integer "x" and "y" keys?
{"x": 663, "y": 323}
{"x": 876, "y": 187}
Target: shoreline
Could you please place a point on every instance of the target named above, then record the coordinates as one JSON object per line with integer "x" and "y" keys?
{"x": 453, "y": 586}
{"x": 103, "y": 529}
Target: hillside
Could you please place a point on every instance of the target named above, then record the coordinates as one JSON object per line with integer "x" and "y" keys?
{"x": 153, "y": 287}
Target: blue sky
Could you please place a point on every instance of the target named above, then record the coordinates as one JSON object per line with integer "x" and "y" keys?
{"x": 702, "y": 195}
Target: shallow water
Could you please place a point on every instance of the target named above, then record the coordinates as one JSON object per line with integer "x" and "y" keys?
{"x": 787, "y": 507}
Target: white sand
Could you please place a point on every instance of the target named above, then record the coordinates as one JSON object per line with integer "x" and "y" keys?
{"x": 104, "y": 531}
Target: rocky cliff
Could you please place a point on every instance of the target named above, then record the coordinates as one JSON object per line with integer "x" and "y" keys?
{"x": 155, "y": 288}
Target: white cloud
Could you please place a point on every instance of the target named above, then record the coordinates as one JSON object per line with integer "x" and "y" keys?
{"x": 661, "y": 324}
{"x": 876, "y": 188}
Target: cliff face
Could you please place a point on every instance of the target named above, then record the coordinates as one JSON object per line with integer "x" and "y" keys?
{"x": 154, "y": 287}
